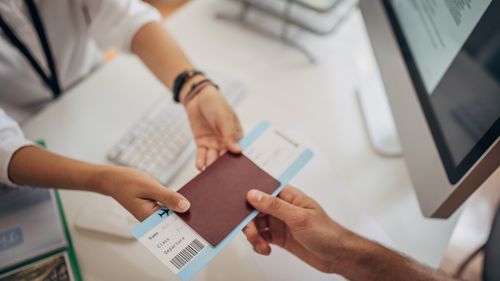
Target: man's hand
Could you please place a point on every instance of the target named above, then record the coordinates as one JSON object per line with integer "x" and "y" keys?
{"x": 216, "y": 128}
{"x": 296, "y": 223}
{"x": 140, "y": 194}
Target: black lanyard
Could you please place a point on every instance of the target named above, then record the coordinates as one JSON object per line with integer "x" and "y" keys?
{"x": 50, "y": 81}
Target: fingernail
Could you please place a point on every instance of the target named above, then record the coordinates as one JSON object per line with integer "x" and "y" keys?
{"x": 256, "y": 195}
{"x": 183, "y": 205}
{"x": 262, "y": 249}
{"x": 238, "y": 147}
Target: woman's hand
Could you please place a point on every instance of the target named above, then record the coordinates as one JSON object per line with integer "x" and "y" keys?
{"x": 140, "y": 194}
{"x": 216, "y": 128}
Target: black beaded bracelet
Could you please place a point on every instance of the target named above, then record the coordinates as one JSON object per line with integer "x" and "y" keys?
{"x": 196, "y": 88}
{"x": 181, "y": 79}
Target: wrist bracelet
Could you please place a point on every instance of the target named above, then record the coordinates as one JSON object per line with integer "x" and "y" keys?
{"x": 181, "y": 79}
{"x": 197, "y": 88}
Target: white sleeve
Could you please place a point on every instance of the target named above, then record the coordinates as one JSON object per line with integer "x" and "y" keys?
{"x": 113, "y": 23}
{"x": 11, "y": 139}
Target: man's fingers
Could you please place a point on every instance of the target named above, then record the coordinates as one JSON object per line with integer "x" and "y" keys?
{"x": 253, "y": 236}
{"x": 296, "y": 197}
{"x": 251, "y": 233}
{"x": 273, "y": 206}
{"x": 172, "y": 200}
{"x": 263, "y": 249}
{"x": 262, "y": 224}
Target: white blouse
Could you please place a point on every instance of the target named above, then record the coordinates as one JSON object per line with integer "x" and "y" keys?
{"x": 77, "y": 31}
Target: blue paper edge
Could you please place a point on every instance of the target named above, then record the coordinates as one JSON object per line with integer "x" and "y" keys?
{"x": 205, "y": 256}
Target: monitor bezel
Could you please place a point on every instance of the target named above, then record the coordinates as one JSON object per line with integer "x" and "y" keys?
{"x": 454, "y": 172}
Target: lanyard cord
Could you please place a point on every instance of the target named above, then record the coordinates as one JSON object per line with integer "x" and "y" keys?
{"x": 50, "y": 81}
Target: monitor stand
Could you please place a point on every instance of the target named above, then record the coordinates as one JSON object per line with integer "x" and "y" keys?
{"x": 377, "y": 115}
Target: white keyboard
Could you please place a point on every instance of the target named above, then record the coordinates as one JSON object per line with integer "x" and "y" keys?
{"x": 161, "y": 142}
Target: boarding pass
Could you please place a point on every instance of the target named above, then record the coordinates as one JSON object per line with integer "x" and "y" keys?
{"x": 183, "y": 250}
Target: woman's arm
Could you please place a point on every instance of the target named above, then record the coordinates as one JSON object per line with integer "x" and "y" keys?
{"x": 215, "y": 126}
{"x": 134, "y": 26}
{"x": 160, "y": 52}
{"x": 138, "y": 193}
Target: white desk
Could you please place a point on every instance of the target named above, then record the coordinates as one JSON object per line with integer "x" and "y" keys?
{"x": 282, "y": 88}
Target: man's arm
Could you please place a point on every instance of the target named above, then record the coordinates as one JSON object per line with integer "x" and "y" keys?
{"x": 298, "y": 224}
{"x": 361, "y": 259}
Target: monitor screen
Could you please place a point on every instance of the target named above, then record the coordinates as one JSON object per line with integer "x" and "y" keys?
{"x": 452, "y": 52}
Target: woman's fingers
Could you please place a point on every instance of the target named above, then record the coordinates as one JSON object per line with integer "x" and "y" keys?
{"x": 230, "y": 131}
{"x": 201, "y": 158}
{"x": 222, "y": 152}
{"x": 142, "y": 209}
{"x": 212, "y": 155}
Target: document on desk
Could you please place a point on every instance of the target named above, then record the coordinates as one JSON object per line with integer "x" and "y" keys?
{"x": 185, "y": 251}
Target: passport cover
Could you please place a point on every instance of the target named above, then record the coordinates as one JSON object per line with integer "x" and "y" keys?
{"x": 218, "y": 195}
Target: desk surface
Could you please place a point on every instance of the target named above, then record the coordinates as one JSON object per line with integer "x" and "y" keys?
{"x": 282, "y": 87}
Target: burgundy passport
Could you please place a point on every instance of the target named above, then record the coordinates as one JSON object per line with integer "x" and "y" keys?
{"x": 218, "y": 195}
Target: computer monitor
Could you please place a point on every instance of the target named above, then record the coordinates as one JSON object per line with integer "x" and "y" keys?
{"x": 440, "y": 66}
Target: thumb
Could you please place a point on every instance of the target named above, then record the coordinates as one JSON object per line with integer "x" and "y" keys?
{"x": 144, "y": 210}
{"x": 233, "y": 146}
{"x": 171, "y": 199}
{"x": 273, "y": 206}
{"x": 231, "y": 133}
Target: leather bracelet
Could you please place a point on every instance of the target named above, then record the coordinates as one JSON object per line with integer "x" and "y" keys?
{"x": 181, "y": 80}
{"x": 197, "y": 88}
